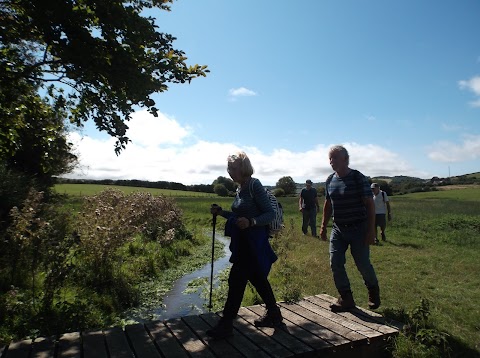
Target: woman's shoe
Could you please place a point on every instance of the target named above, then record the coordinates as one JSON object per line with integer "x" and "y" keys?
{"x": 222, "y": 330}
{"x": 271, "y": 318}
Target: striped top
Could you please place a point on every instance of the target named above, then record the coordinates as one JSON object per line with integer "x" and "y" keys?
{"x": 346, "y": 196}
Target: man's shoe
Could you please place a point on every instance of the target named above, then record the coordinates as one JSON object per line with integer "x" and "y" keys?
{"x": 374, "y": 297}
{"x": 344, "y": 303}
{"x": 271, "y": 318}
{"x": 222, "y": 330}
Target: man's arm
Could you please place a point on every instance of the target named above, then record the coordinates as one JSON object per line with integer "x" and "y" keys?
{"x": 327, "y": 214}
{"x": 389, "y": 212}
{"x": 370, "y": 234}
{"x": 300, "y": 201}
{"x": 317, "y": 205}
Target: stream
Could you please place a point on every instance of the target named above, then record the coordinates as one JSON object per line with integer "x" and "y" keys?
{"x": 177, "y": 303}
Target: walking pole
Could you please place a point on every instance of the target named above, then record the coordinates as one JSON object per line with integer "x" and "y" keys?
{"x": 214, "y": 222}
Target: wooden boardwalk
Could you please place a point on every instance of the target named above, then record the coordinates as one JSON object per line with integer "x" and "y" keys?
{"x": 311, "y": 330}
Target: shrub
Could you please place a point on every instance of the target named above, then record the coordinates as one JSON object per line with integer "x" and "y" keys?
{"x": 112, "y": 219}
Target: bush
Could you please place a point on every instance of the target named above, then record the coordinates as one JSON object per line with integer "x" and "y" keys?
{"x": 111, "y": 219}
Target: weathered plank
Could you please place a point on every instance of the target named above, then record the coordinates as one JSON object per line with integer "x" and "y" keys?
{"x": 258, "y": 337}
{"x": 69, "y": 345}
{"x": 19, "y": 349}
{"x": 220, "y": 348}
{"x": 357, "y": 332}
{"x": 43, "y": 348}
{"x": 281, "y": 335}
{"x": 165, "y": 340}
{"x": 117, "y": 343}
{"x": 370, "y": 318}
{"x": 239, "y": 341}
{"x": 141, "y": 342}
{"x": 94, "y": 345}
{"x": 192, "y": 344}
{"x": 310, "y": 329}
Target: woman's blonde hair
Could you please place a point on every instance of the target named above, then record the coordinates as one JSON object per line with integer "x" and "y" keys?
{"x": 246, "y": 168}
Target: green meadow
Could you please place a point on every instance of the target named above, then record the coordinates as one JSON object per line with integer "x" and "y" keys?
{"x": 92, "y": 189}
{"x": 428, "y": 268}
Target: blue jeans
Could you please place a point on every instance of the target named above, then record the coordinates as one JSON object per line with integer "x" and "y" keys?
{"x": 340, "y": 239}
{"x": 309, "y": 218}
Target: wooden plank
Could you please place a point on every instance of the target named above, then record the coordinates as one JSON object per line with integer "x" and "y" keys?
{"x": 43, "y": 348}
{"x": 192, "y": 344}
{"x": 294, "y": 325}
{"x": 339, "y": 319}
{"x": 331, "y": 332}
{"x": 281, "y": 335}
{"x": 20, "y": 349}
{"x": 142, "y": 344}
{"x": 165, "y": 340}
{"x": 117, "y": 344}
{"x": 69, "y": 345}
{"x": 360, "y": 315}
{"x": 220, "y": 347}
{"x": 239, "y": 341}
{"x": 258, "y": 337}
{"x": 94, "y": 345}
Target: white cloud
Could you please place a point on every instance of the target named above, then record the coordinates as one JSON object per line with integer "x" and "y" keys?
{"x": 241, "y": 92}
{"x": 473, "y": 85}
{"x": 446, "y": 151}
{"x": 147, "y": 130}
{"x": 157, "y": 157}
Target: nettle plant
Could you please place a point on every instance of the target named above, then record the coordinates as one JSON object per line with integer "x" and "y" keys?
{"x": 111, "y": 219}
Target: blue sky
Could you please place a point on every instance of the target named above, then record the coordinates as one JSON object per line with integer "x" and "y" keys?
{"x": 396, "y": 82}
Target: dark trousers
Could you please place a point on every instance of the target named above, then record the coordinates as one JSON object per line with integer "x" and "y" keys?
{"x": 243, "y": 271}
{"x": 309, "y": 218}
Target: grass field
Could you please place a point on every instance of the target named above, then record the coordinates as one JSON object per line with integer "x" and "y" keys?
{"x": 431, "y": 252}
{"x": 92, "y": 189}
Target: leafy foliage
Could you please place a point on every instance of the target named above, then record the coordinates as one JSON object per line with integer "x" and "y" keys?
{"x": 111, "y": 219}
{"x": 104, "y": 57}
{"x": 228, "y": 183}
{"x": 287, "y": 184}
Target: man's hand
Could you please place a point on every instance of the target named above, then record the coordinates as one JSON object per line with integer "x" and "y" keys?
{"x": 215, "y": 209}
{"x": 370, "y": 237}
{"x": 323, "y": 233}
{"x": 389, "y": 217}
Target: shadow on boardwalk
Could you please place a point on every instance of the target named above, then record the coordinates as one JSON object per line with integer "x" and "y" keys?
{"x": 310, "y": 330}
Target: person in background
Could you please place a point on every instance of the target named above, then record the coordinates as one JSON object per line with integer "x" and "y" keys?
{"x": 252, "y": 256}
{"x": 308, "y": 205}
{"x": 382, "y": 207}
{"x": 348, "y": 199}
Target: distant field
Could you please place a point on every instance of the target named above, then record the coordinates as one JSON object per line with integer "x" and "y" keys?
{"x": 455, "y": 192}
{"x": 464, "y": 186}
{"x": 92, "y": 189}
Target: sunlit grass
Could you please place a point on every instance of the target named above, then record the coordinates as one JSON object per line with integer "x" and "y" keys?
{"x": 431, "y": 252}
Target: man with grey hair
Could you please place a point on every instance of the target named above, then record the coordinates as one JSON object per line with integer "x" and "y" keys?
{"x": 348, "y": 199}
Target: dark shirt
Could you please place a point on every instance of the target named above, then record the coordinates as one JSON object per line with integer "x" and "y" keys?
{"x": 346, "y": 196}
{"x": 308, "y": 196}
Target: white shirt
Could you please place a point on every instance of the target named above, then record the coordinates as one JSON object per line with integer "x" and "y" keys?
{"x": 380, "y": 205}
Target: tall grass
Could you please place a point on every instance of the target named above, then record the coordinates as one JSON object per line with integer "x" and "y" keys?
{"x": 431, "y": 254}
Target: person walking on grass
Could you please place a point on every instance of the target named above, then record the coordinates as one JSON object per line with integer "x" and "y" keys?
{"x": 382, "y": 206}
{"x": 252, "y": 256}
{"x": 308, "y": 205}
{"x": 348, "y": 199}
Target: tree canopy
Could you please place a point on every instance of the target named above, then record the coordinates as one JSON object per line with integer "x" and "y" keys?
{"x": 287, "y": 184}
{"x": 99, "y": 59}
